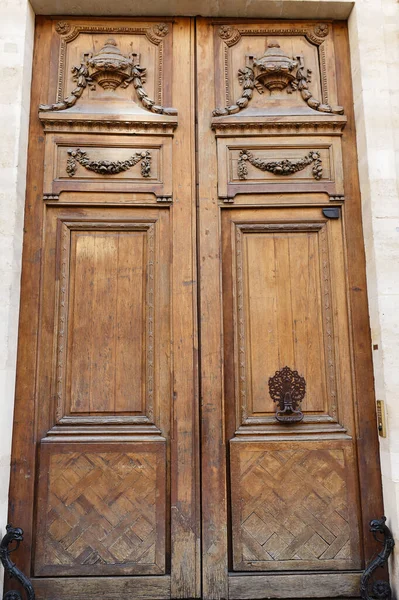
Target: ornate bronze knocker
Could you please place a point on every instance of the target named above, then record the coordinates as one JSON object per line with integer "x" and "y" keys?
{"x": 288, "y": 389}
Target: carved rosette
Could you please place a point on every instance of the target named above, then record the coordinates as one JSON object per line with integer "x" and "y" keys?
{"x": 63, "y": 27}
{"x": 229, "y": 34}
{"x": 321, "y": 30}
{"x": 156, "y": 33}
{"x": 281, "y": 167}
{"x": 107, "y": 167}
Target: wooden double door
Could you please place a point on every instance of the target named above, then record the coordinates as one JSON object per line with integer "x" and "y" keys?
{"x": 194, "y": 409}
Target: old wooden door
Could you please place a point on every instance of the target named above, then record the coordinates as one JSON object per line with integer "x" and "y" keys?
{"x": 107, "y": 456}
{"x": 289, "y": 437}
{"x": 105, "y": 451}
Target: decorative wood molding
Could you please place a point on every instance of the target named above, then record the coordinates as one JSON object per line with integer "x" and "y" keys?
{"x": 47, "y": 197}
{"x": 241, "y": 330}
{"x": 328, "y": 322}
{"x": 314, "y": 33}
{"x": 227, "y": 127}
{"x": 107, "y": 167}
{"x": 282, "y": 167}
{"x": 110, "y": 69}
{"x": 63, "y": 122}
{"x": 276, "y": 70}
{"x": 154, "y": 34}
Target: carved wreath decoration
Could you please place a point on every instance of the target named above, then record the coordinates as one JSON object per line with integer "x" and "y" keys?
{"x": 110, "y": 69}
{"x": 107, "y": 167}
{"x": 275, "y": 70}
{"x": 282, "y": 167}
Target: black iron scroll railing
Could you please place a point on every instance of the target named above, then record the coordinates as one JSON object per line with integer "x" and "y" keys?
{"x": 14, "y": 535}
{"x": 371, "y": 589}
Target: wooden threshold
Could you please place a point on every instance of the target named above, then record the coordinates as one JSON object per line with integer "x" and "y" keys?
{"x": 294, "y": 585}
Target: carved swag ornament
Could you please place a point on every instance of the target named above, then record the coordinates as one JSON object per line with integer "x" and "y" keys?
{"x": 287, "y": 388}
{"x": 110, "y": 69}
{"x": 281, "y": 167}
{"x": 275, "y": 71}
{"x": 107, "y": 167}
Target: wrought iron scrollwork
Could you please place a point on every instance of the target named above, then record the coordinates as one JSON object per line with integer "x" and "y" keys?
{"x": 378, "y": 590}
{"x": 14, "y": 535}
{"x": 287, "y": 388}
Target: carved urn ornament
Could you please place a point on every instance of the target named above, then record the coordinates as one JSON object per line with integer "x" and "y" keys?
{"x": 110, "y": 66}
{"x": 274, "y": 69}
{"x": 110, "y": 69}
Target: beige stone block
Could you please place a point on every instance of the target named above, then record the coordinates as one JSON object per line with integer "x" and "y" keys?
{"x": 384, "y": 198}
{"x": 293, "y": 9}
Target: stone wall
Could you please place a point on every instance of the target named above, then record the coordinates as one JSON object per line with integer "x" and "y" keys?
{"x": 16, "y": 48}
{"x": 374, "y": 37}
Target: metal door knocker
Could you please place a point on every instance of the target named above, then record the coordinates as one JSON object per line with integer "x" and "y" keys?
{"x": 288, "y": 389}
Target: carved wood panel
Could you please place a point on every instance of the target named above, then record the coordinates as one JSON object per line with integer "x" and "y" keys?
{"x": 275, "y": 69}
{"x": 250, "y": 165}
{"x": 102, "y": 509}
{"x": 113, "y": 287}
{"x": 290, "y": 506}
{"x": 95, "y": 62}
{"x": 109, "y": 163}
{"x": 281, "y": 282}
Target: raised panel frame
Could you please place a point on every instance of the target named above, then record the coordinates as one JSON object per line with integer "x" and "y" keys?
{"x": 227, "y": 34}
{"x": 337, "y": 418}
{"x": 276, "y": 150}
{"x": 111, "y": 150}
{"x": 159, "y": 35}
{"x": 61, "y": 374}
{"x": 104, "y": 503}
{"x": 291, "y": 511}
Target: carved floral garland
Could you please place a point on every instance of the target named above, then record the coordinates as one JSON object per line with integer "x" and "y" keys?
{"x": 107, "y": 167}
{"x": 282, "y": 167}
